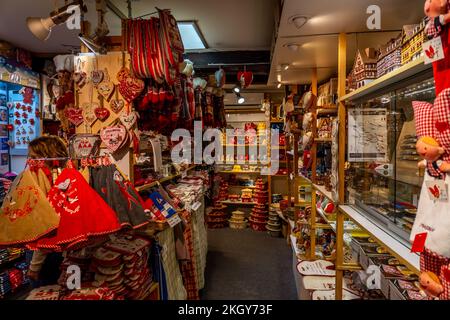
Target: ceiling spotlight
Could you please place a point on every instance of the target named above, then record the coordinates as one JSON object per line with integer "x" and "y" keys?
{"x": 237, "y": 88}
{"x": 279, "y": 77}
{"x": 240, "y": 99}
{"x": 298, "y": 20}
{"x": 292, "y": 46}
{"x": 286, "y": 67}
{"x": 279, "y": 85}
{"x": 42, "y": 27}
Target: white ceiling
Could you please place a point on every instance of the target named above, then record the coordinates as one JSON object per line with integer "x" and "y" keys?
{"x": 230, "y": 24}
{"x": 333, "y": 17}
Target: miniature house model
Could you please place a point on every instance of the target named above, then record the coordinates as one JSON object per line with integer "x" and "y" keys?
{"x": 364, "y": 70}
{"x": 390, "y": 57}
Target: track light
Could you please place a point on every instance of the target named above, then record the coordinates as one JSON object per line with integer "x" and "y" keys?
{"x": 279, "y": 85}
{"x": 240, "y": 99}
{"x": 237, "y": 89}
{"x": 42, "y": 27}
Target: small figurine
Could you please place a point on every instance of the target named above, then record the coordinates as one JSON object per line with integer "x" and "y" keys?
{"x": 431, "y": 284}
{"x": 431, "y": 151}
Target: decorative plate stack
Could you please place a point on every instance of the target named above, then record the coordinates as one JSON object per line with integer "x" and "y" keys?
{"x": 238, "y": 220}
{"x": 217, "y": 218}
{"x": 247, "y": 195}
{"x": 274, "y": 224}
{"x": 259, "y": 216}
{"x": 223, "y": 191}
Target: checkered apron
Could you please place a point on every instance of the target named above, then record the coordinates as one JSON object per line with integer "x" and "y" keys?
{"x": 175, "y": 287}
{"x": 430, "y": 261}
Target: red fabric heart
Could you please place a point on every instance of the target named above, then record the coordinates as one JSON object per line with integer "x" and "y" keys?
{"x": 442, "y": 126}
{"x": 75, "y": 116}
{"x": 102, "y": 113}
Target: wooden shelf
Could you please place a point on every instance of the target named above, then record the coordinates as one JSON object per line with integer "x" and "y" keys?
{"x": 396, "y": 247}
{"x": 323, "y": 140}
{"x": 243, "y": 187}
{"x": 323, "y": 191}
{"x": 404, "y": 72}
{"x": 240, "y": 172}
{"x": 169, "y": 178}
{"x": 238, "y": 203}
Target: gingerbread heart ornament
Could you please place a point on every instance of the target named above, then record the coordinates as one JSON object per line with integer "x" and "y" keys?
{"x": 116, "y": 105}
{"x": 129, "y": 87}
{"x": 89, "y": 113}
{"x": 75, "y": 116}
{"x": 80, "y": 79}
{"x": 114, "y": 137}
{"x": 97, "y": 77}
{"x": 128, "y": 119}
{"x": 106, "y": 89}
{"x": 102, "y": 113}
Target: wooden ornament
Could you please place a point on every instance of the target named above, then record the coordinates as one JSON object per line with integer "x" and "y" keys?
{"x": 97, "y": 77}
{"x": 117, "y": 105}
{"x": 89, "y": 113}
{"x": 128, "y": 119}
{"x": 129, "y": 87}
{"x": 102, "y": 113}
{"x": 114, "y": 137}
{"x": 74, "y": 115}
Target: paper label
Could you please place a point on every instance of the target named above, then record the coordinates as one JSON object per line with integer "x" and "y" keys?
{"x": 195, "y": 206}
{"x": 419, "y": 242}
{"x": 433, "y": 50}
{"x": 174, "y": 220}
{"x": 437, "y": 190}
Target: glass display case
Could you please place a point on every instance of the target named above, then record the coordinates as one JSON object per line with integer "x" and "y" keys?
{"x": 382, "y": 176}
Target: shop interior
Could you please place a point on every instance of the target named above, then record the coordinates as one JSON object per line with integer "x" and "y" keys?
{"x": 223, "y": 150}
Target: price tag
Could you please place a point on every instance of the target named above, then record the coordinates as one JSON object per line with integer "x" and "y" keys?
{"x": 419, "y": 242}
{"x": 433, "y": 50}
{"x": 174, "y": 220}
{"x": 196, "y": 205}
{"x": 437, "y": 190}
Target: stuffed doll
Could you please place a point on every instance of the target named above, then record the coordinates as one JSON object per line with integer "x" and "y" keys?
{"x": 432, "y": 223}
{"x": 438, "y": 11}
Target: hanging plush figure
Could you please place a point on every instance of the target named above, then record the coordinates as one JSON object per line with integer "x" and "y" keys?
{"x": 439, "y": 13}
{"x": 431, "y": 231}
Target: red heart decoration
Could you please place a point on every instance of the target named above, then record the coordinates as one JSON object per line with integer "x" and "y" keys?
{"x": 442, "y": 126}
{"x": 129, "y": 87}
{"x": 102, "y": 113}
{"x": 75, "y": 116}
{"x": 245, "y": 78}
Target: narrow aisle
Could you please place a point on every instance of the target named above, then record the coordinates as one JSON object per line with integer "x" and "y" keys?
{"x": 245, "y": 265}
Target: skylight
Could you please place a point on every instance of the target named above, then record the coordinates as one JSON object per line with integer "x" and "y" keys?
{"x": 191, "y": 35}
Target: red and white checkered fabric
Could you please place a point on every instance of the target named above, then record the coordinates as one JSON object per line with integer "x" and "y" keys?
{"x": 423, "y": 116}
{"x": 441, "y": 116}
{"x": 439, "y": 265}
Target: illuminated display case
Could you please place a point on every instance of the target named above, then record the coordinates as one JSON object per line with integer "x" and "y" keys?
{"x": 383, "y": 179}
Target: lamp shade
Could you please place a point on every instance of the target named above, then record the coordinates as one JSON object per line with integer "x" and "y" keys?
{"x": 41, "y": 28}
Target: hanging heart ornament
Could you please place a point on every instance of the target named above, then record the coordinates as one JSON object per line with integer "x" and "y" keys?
{"x": 129, "y": 87}
{"x": 75, "y": 116}
{"x": 97, "y": 77}
{"x": 116, "y": 105}
{"x": 106, "y": 89}
{"x": 80, "y": 79}
{"x": 89, "y": 113}
{"x": 102, "y": 113}
{"x": 114, "y": 137}
{"x": 128, "y": 119}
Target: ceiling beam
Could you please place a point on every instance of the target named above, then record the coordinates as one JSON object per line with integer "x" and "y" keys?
{"x": 115, "y": 10}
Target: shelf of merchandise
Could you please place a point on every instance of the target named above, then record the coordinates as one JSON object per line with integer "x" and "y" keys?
{"x": 238, "y": 203}
{"x": 397, "y": 248}
{"x": 240, "y": 172}
{"x": 163, "y": 180}
{"x": 323, "y": 191}
{"x": 402, "y": 73}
